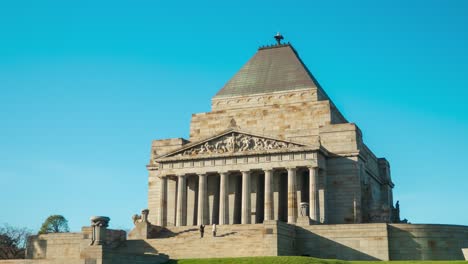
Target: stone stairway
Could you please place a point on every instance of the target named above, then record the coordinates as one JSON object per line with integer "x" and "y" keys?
{"x": 231, "y": 241}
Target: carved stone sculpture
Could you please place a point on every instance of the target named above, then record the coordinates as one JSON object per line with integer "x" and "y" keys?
{"x": 237, "y": 143}
{"x": 143, "y": 218}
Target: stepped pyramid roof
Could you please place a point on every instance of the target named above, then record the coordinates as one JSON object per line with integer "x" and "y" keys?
{"x": 272, "y": 69}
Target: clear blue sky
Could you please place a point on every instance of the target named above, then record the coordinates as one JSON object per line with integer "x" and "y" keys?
{"x": 86, "y": 85}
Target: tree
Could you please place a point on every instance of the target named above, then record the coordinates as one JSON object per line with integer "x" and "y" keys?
{"x": 54, "y": 224}
{"x": 13, "y": 242}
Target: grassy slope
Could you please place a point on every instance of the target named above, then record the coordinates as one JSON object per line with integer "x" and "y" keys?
{"x": 296, "y": 260}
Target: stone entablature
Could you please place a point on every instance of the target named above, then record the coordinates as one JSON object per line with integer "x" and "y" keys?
{"x": 256, "y": 162}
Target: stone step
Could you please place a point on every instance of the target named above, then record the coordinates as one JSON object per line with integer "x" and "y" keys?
{"x": 185, "y": 242}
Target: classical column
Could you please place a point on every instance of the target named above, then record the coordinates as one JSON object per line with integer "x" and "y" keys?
{"x": 268, "y": 206}
{"x": 223, "y": 199}
{"x": 292, "y": 196}
{"x": 323, "y": 196}
{"x": 313, "y": 201}
{"x": 162, "y": 201}
{"x": 181, "y": 203}
{"x": 246, "y": 211}
{"x": 202, "y": 191}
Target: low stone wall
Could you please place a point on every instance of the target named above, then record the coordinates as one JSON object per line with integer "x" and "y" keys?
{"x": 76, "y": 248}
{"x": 346, "y": 242}
{"x": 465, "y": 253}
{"x": 57, "y": 246}
{"x": 427, "y": 242}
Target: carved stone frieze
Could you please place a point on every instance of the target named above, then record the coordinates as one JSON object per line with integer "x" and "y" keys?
{"x": 236, "y": 142}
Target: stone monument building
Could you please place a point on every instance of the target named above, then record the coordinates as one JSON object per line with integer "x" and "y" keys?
{"x": 281, "y": 172}
{"x": 272, "y": 141}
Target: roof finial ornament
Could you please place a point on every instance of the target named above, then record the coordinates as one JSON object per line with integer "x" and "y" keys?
{"x": 278, "y": 38}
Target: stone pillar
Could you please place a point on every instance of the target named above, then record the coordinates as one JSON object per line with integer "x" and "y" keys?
{"x": 246, "y": 211}
{"x": 268, "y": 206}
{"x": 202, "y": 192}
{"x": 223, "y": 198}
{"x": 162, "y": 201}
{"x": 99, "y": 225}
{"x": 323, "y": 197}
{"x": 292, "y": 196}
{"x": 313, "y": 201}
{"x": 181, "y": 203}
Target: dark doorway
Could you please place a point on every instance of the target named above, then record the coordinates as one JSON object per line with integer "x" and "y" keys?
{"x": 259, "y": 216}
{"x": 283, "y": 197}
{"x": 237, "y": 199}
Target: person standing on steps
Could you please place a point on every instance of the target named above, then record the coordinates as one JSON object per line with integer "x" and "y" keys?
{"x": 202, "y": 230}
{"x": 214, "y": 230}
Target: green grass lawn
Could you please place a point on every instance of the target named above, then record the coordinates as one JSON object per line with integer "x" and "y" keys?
{"x": 296, "y": 260}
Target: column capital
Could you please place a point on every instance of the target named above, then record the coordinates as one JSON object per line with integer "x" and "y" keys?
{"x": 267, "y": 169}
{"x": 291, "y": 168}
{"x": 245, "y": 171}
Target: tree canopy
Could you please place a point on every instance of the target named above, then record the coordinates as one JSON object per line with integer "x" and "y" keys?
{"x": 13, "y": 242}
{"x": 54, "y": 224}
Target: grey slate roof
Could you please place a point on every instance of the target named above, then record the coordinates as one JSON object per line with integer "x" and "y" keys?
{"x": 271, "y": 69}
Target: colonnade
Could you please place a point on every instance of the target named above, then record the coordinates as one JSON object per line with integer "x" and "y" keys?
{"x": 316, "y": 210}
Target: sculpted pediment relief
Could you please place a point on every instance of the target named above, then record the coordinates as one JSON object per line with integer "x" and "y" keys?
{"x": 234, "y": 142}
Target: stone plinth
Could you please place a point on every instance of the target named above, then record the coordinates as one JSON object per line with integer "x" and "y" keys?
{"x": 303, "y": 221}
{"x": 99, "y": 225}
{"x": 465, "y": 253}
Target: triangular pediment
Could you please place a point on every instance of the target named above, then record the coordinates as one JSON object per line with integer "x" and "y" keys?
{"x": 231, "y": 142}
